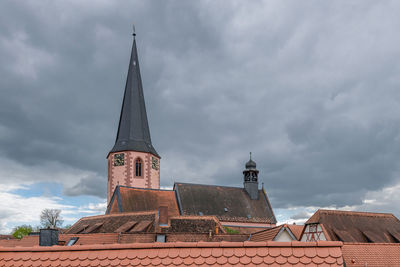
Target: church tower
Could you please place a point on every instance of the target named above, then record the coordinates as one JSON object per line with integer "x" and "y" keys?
{"x": 133, "y": 161}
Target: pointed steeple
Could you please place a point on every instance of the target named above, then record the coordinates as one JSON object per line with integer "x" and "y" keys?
{"x": 133, "y": 129}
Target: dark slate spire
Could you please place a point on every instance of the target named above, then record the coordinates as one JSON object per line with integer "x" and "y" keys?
{"x": 133, "y": 129}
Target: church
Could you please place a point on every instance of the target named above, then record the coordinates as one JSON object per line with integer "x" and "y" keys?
{"x": 134, "y": 174}
{"x": 197, "y": 224}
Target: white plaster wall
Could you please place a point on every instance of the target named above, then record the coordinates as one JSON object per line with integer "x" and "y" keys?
{"x": 307, "y": 230}
{"x": 283, "y": 237}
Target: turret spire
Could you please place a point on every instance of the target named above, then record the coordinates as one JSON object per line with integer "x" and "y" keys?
{"x": 251, "y": 179}
{"x": 133, "y": 129}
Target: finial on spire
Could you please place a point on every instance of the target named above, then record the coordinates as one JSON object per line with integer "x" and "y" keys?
{"x": 134, "y": 30}
{"x": 250, "y": 155}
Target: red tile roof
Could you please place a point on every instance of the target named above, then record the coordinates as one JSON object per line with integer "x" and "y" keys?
{"x": 26, "y": 241}
{"x": 7, "y": 237}
{"x": 364, "y": 227}
{"x": 112, "y": 223}
{"x": 271, "y": 233}
{"x": 297, "y": 230}
{"x": 371, "y": 254}
{"x": 130, "y": 199}
{"x": 179, "y": 254}
{"x": 266, "y": 235}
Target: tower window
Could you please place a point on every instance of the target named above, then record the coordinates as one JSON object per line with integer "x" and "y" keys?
{"x": 138, "y": 167}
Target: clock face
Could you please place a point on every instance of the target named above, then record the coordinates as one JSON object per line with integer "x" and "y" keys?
{"x": 119, "y": 159}
{"x": 154, "y": 163}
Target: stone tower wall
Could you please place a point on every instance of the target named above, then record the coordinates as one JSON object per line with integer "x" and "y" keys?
{"x": 125, "y": 174}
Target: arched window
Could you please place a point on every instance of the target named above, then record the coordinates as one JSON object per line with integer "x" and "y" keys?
{"x": 138, "y": 164}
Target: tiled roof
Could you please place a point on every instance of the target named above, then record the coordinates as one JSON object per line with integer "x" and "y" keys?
{"x": 271, "y": 234}
{"x": 26, "y": 241}
{"x": 179, "y": 254}
{"x": 364, "y": 227}
{"x": 112, "y": 223}
{"x": 371, "y": 254}
{"x": 194, "y": 224}
{"x": 266, "y": 235}
{"x": 227, "y": 203}
{"x": 297, "y": 230}
{"x": 124, "y": 238}
{"x": 6, "y": 237}
{"x": 130, "y": 199}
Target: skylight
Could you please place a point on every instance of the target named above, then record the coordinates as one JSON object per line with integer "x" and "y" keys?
{"x": 72, "y": 241}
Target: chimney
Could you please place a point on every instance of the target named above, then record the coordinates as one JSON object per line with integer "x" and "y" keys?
{"x": 48, "y": 237}
{"x": 163, "y": 215}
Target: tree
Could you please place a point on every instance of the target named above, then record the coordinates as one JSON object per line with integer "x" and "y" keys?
{"x": 21, "y": 231}
{"x": 51, "y": 218}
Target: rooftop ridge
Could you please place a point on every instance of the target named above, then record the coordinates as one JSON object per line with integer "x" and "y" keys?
{"x": 357, "y": 213}
{"x": 175, "y": 183}
{"x": 144, "y": 189}
{"x": 269, "y": 229}
{"x": 118, "y": 214}
{"x": 174, "y": 245}
{"x": 371, "y": 244}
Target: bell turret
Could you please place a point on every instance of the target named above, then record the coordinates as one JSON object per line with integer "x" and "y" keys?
{"x": 251, "y": 179}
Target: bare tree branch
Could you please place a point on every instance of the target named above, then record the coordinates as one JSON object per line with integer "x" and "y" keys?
{"x": 51, "y": 218}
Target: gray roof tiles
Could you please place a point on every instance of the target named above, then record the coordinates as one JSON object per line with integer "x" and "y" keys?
{"x": 133, "y": 129}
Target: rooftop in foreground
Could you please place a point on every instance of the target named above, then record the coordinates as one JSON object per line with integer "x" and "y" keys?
{"x": 179, "y": 254}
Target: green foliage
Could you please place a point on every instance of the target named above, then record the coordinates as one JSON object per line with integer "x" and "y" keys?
{"x": 21, "y": 231}
{"x": 231, "y": 231}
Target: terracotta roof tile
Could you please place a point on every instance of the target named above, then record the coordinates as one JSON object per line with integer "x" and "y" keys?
{"x": 262, "y": 251}
{"x": 141, "y": 226}
{"x": 351, "y": 226}
{"x": 305, "y": 260}
{"x": 125, "y": 227}
{"x": 110, "y": 223}
{"x": 177, "y": 254}
{"x": 228, "y": 252}
{"x": 286, "y": 251}
{"x": 372, "y": 254}
{"x": 217, "y": 252}
{"x": 274, "y": 251}
{"x": 269, "y": 260}
{"x": 233, "y": 260}
{"x": 137, "y": 199}
{"x": 188, "y": 261}
{"x": 297, "y": 230}
{"x": 293, "y": 260}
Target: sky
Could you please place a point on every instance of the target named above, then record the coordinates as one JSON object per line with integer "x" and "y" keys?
{"x": 311, "y": 88}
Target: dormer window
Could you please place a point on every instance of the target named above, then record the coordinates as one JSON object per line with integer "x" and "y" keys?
{"x": 138, "y": 164}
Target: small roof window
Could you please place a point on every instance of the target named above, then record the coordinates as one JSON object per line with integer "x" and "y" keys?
{"x": 160, "y": 238}
{"x": 226, "y": 209}
{"x": 72, "y": 241}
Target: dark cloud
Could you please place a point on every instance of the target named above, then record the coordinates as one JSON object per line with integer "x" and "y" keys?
{"x": 310, "y": 88}
{"x": 90, "y": 185}
{"x": 302, "y": 215}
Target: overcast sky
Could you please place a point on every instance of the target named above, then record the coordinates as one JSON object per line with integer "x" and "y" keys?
{"x": 312, "y": 88}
